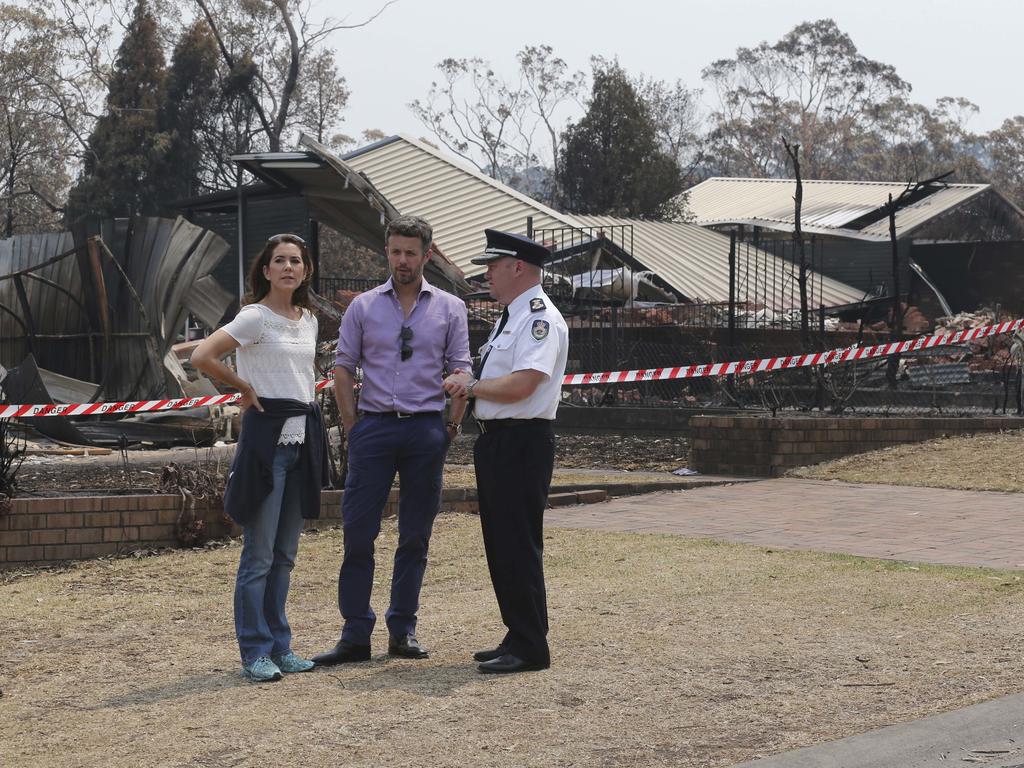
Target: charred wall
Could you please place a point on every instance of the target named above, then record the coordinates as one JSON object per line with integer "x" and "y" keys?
{"x": 972, "y": 275}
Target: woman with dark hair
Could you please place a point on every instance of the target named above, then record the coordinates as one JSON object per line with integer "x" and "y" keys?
{"x": 280, "y": 460}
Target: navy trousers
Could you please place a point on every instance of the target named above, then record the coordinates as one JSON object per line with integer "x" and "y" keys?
{"x": 513, "y": 476}
{"x": 378, "y": 447}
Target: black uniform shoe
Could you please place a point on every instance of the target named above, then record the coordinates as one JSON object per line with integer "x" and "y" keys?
{"x": 490, "y": 654}
{"x": 406, "y": 646}
{"x": 343, "y": 653}
{"x": 509, "y": 663}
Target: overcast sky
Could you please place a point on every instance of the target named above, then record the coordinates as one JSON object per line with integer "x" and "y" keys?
{"x": 970, "y": 48}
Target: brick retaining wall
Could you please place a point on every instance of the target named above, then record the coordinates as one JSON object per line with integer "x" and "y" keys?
{"x": 765, "y": 446}
{"x": 42, "y": 531}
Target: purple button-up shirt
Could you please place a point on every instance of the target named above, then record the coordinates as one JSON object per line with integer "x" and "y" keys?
{"x": 370, "y": 337}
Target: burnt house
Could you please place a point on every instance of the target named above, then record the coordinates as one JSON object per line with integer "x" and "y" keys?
{"x": 955, "y": 237}
{"x": 298, "y": 192}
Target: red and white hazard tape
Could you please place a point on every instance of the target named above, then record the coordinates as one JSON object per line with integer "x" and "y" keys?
{"x": 131, "y": 406}
{"x": 767, "y": 364}
{"x": 831, "y": 357}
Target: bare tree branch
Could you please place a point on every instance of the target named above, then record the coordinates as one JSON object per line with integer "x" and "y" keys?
{"x": 290, "y": 80}
{"x": 232, "y": 65}
{"x": 42, "y": 197}
{"x": 327, "y": 27}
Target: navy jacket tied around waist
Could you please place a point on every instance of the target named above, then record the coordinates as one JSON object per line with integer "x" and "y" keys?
{"x": 251, "y": 478}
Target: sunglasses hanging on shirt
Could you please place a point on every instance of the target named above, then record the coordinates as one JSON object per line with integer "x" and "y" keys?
{"x": 406, "y": 346}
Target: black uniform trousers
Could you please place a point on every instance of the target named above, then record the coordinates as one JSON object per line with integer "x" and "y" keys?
{"x": 513, "y": 475}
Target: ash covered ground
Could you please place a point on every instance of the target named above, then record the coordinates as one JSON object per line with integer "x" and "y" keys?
{"x": 141, "y": 470}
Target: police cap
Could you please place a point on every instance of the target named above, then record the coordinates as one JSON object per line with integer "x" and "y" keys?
{"x": 501, "y": 244}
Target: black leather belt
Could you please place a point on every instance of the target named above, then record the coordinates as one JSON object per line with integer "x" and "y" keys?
{"x": 493, "y": 425}
{"x": 398, "y": 414}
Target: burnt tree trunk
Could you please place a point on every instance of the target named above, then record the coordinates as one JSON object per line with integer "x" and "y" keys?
{"x": 893, "y": 365}
{"x": 798, "y": 245}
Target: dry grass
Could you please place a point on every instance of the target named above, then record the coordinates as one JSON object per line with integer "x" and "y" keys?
{"x": 992, "y": 462}
{"x": 666, "y": 652}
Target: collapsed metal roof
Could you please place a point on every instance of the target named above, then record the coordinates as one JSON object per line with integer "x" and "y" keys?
{"x": 107, "y": 310}
{"x": 460, "y": 202}
{"x": 340, "y": 197}
{"x": 683, "y": 254}
{"x": 850, "y": 209}
{"x": 457, "y": 200}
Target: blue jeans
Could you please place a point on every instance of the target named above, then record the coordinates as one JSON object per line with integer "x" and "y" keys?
{"x": 378, "y": 447}
{"x": 268, "y": 555}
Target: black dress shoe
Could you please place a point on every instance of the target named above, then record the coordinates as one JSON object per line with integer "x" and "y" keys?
{"x": 508, "y": 663}
{"x": 490, "y": 654}
{"x": 343, "y": 653}
{"x": 406, "y": 646}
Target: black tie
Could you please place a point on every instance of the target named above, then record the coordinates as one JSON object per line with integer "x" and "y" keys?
{"x": 501, "y": 324}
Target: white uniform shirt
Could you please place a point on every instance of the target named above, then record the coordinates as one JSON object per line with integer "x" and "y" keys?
{"x": 276, "y": 356}
{"x": 534, "y": 338}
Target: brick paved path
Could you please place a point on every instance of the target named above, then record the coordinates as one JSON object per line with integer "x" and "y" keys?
{"x": 928, "y": 525}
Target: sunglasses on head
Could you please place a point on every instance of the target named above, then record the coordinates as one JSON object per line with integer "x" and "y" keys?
{"x": 406, "y": 338}
{"x": 285, "y": 237}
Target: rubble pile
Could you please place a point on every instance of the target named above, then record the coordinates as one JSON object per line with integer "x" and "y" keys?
{"x": 990, "y": 354}
{"x": 964, "y": 321}
{"x": 915, "y": 322}
{"x": 343, "y": 298}
{"x": 644, "y": 316}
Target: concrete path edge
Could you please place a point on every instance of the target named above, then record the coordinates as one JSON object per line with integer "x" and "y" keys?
{"x": 989, "y": 734}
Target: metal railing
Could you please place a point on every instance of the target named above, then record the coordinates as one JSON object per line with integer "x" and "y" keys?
{"x": 329, "y": 286}
{"x": 614, "y": 326}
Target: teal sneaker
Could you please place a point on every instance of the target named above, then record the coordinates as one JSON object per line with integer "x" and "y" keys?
{"x": 262, "y": 670}
{"x": 291, "y": 662}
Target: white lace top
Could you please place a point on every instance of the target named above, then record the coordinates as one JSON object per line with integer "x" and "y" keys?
{"x": 276, "y": 356}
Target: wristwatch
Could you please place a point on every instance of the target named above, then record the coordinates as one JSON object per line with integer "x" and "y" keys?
{"x": 454, "y": 425}
{"x": 469, "y": 387}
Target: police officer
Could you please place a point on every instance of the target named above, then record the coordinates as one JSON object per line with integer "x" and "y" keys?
{"x": 516, "y": 387}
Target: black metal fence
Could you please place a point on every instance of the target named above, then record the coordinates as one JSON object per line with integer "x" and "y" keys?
{"x": 965, "y": 379}
{"x": 754, "y": 285}
{"x": 979, "y": 377}
{"x": 330, "y": 286}
{"x": 615, "y": 324}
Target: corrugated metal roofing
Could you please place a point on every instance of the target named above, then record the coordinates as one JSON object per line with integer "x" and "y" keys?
{"x": 828, "y": 206}
{"x": 49, "y": 311}
{"x": 460, "y": 202}
{"x": 696, "y": 261}
{"x": 139, "y": 300}
{"x": 457, "y": 200}
{"x": 339, "y": 197}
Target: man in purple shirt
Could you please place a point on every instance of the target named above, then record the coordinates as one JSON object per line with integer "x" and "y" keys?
{"x": 406, "y": 335}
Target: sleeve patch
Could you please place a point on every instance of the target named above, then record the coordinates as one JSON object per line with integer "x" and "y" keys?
{"x": 540, "y": 328}
{"x": 537, "y": 304}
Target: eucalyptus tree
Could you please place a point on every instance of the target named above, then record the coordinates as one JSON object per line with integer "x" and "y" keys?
{"x": 507, "y": 128}
{"x": 812, "y": 87}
